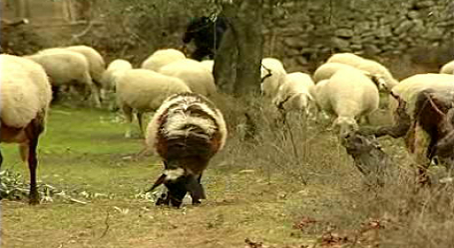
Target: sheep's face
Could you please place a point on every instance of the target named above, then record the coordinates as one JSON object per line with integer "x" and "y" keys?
{"x": 345, "y": 125}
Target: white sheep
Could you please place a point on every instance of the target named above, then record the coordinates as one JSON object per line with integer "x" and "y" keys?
{"x": 448, "y": 68}
{"x": 144, "y": 91}
{"x": 96, "y": 63}
{"x": 208, "y": 64}
{"x": 348, "y": 95}
{"x": 295, "y": 94}
{"x": 326, "y": 70}
{"x": 115, "y": 67}
{"x": 194, "y": 74}
{"x": 273, "y": 75}
{"x": 67, "y": 68}
{"x": 161, "y": 58}
{"x": 25, "y": 95}
{"x": 409, "y": 88}
{"x": 374, "y": 68}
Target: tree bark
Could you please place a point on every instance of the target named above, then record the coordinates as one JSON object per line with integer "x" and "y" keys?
{"x": 243, "y": 37}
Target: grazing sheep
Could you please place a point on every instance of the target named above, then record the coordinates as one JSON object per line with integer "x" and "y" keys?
{"x": 348, "y": 95}
{"x": 294, "y": 93}
{"x": 448, "y": 68}
{"x": 273, "y": 76}
{"x": 368, "y": 65}
{"x": 207, "y": 35}
{"x": 96, "y": 63}
{"x": 25, "y": 95}
{"x": 115, "y": 67}
{"x": 161, "y": 58}
{"x": 208, "y": 64}
{"x": 409, "y": 88}
{"x": 67, "y": 68}
{"x": 326, "y": 70}
{"x": 186, "y": 132}
{"x": 194, "y": 74}
{"x": 144, "y": 91}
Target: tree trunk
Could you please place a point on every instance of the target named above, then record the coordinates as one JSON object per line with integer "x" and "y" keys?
{"x": 243, "y": 37}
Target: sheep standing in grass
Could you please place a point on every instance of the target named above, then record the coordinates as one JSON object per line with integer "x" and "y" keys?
{"x": 349, "y": 95}
{"x": 194, "y": 74}
{"x": 294, "y": 93}
{"x": 162, "y": 58}
{"x": 273, "y": 75}
{"x": 186, "y": 131}
{"x": 115, "y": 67}
{"x": 67, "y": 68}
{"x": 96, "y": 63}
{"x": 368, "y": 65}
{"x": 448, "y": 68}
{"x": 25, "y": 95}
{"x": 144, "y": 91}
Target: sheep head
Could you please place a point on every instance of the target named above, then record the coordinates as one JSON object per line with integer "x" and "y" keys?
{"x": 345, "y": 125}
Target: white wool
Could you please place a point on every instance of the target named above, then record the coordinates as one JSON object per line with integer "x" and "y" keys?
{"x": 162, "y": 58}
{"x": 208, "y": 64}
{"x": 154, "y": 124}
{"x": 173, "y": 174}
{"x": 448, "y": 68}
{"x": 270, "y": 85}
{"x": 193, "y": 73}
{"x": 24, "y": 90}
{"x": 348, "y": 95}
{"x": 409, "y": 88}
{"x": 326, "y": 70}
{"x": 174, "y": 127}
{"x": 364, "y": 64}
{"x": 95, "y": 61}
{"x": 113, "y": 71}
{"x": 295, "y": 92}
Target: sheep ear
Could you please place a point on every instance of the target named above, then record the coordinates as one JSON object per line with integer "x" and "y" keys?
{"x": 158, "y": 182}
{"x": 195, "y": 189}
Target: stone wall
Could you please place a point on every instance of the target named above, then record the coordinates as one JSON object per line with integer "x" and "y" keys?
{"x": 304, "y": 33}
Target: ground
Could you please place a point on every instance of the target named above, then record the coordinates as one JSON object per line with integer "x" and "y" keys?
{"x": 85, "y": 155}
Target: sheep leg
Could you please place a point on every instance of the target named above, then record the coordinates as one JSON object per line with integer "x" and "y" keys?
{"x": 33, "y": 131}
{"x": 128, "y": 115}
{"x": 55, "y": 91}
{"x": 95, "y": 95}
{"x": 139, "y": 116}
{"x": 1, "y": 159}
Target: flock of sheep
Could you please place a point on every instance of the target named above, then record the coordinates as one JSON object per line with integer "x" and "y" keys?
{"x": 187, "y": 129}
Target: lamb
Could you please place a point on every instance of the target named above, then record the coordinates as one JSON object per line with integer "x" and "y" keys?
{"x": 208, "y": 64}
{"x": 161, "y": 58}
{"x": 25, "y": 95}
{"x": 66, "y": 68}
{"x": 294, "y": 93}
{"x": 193, "y": 74}
{"x": 115, "y": 67}
{"x": 368, "y": 65}
{"x": 349, "y": 95}
{"x": 144, "y": 91}
{"x": 273, "y": 76}
{"x": 186, "y": 132}
{"x": 448, "y": 68}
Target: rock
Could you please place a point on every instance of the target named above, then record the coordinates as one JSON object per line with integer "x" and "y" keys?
{"x": 344, "y": 33}
{"x": 404, "y": 27}
{"x": 384, "y": 31}
{"x": 424, "y": 4}
{"x": 295, "y": 42}
{"x": 371, "y": 49}
{"x": 342, "y": 44}
{"x": 434, "y": 34}
{"x": 413, "y": 15}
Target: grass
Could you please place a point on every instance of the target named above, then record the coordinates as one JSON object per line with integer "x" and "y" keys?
{"x": 257, "y": 190}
